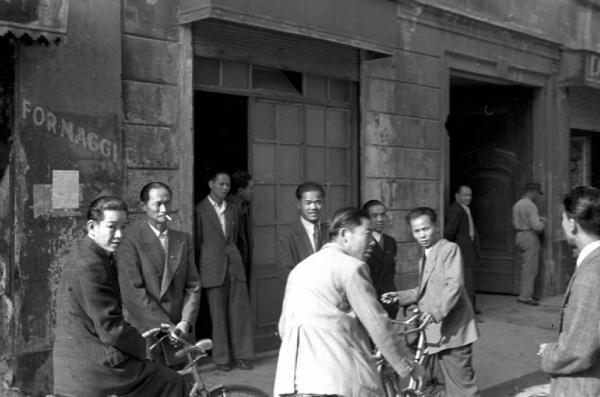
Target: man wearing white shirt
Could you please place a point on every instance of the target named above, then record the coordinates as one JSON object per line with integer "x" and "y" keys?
{"x": 574, "y": 361}
{"x": 223, "y": 277}
{"x": 305, "y": 236}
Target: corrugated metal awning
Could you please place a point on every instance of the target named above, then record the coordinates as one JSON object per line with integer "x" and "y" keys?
{"x": 41, "y": 19}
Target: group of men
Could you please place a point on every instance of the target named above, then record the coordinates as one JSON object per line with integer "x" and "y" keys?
{"x": 118, "y": 284}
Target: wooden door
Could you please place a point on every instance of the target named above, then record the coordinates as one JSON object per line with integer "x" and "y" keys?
{"x": 292, "y": 143}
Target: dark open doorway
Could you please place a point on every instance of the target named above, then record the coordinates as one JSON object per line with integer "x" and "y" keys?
{"x": 490, "y": 133}
{"x": 220, "y": 144}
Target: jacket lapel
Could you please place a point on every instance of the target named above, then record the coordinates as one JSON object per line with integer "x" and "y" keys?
{"x": 429, "y": 266}
{"x": 302, "y": 238}
{"x": 174, "y": 259}
{"x": 212, "y": 216}
{"x": 153, "y": 247}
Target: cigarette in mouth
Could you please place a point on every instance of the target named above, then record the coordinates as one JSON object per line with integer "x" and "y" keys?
{"x": 168, "y": 217}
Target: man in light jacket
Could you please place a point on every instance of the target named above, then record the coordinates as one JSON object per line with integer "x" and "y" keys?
{"x": 574, "y": 361}
{"x": 329, "y": 311}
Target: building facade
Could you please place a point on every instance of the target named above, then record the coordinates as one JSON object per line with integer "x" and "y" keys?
{"x": 394, "y": 100}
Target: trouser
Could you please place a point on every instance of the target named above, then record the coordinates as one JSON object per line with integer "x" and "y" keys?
{"x": 470, "y": 284}
{"x": 528, "y": 244}
{"x": 231, "y": 318}
{"x": 456, "y": 367}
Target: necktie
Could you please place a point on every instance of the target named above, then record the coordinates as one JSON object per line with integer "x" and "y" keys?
{"x": 163, "y": 241}
{"x": 316, "y": 236}
{"x": 422, "y": 270}
{"x": 471, "y": 225}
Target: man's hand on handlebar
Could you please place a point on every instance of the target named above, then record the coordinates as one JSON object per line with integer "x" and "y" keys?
{"x": 426, "y": 318}
{"x": 182, "y": 328}
{"x": 389, "y": 297}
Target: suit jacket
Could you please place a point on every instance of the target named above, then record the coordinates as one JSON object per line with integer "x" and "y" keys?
{"x": 96, "y": 352}
{"x": 456, "y": 229}
{"x": 329, "y": 311}
{"x": 441, "y": 292}
{"x": 244, "y": 238}
{"x": 574, "y": 361}
{"x": 218, "y": 252}
{"x": 382, "y": 264}
{"x": 152, "y": 292}
{"x": 293, "y": 245}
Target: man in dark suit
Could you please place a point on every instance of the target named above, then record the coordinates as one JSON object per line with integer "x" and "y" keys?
{"x": 306, "y": 235}
{"x": 96, "y": 352}
{"x": 460, "y": 229}
{"x": 223, "y": 276}
{"x": 157, "y": 272}
{"x": 382, "y": 259}
{"x": 574, "y": 360}
{"x": 240, "y": 197}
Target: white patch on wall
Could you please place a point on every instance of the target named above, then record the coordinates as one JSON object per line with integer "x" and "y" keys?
{"x": 65, "y": 189}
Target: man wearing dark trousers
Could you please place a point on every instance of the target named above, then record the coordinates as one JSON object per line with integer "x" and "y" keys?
{"x": 306, "y": 235}
{"x": 157, "y": 272}
{"x": 223, "y": 277}
{"x": 460, "y": 229}
{"x": 382, "y": 259}
{"x": 96, "y": 352}
{"x": 240, "y": 197}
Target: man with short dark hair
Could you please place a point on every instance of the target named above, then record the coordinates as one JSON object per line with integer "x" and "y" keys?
{"x": 574, "y": 360}
{"x": 96, "y": 352}
{"x": 157, "y": 272}
{"x": 223, "y": 277}
{"x": 240, "y": 197}
{"x": 443, "y": 301}
{"x": 306, "y": 235}
{"x": 329, "y": 311}
{"x": 459, "y": 228}
{"x": 528, "y": 225}
{"x": 382, "y": 259}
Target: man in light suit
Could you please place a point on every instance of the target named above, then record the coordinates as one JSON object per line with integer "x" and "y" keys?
{"x": 306, "y": 235}
{"x": 382, "y": 259}
{"x": 442, "y": 299}
{"x": 223, "y": 276}
{"x": 157, "y": 272}
{"x": 96, "y": 352}
{"x": 460, "y": 229}
{"x": 574, "y": 360}
{"x": 329, "y": 311}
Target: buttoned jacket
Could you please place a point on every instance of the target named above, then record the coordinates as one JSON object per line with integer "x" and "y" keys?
{"x": 293, "y": 245}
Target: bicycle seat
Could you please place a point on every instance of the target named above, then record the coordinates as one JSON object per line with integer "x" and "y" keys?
{"x": 201, "y": 347}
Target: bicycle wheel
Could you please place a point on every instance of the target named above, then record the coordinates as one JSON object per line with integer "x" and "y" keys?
{"x": 236, "y": 391}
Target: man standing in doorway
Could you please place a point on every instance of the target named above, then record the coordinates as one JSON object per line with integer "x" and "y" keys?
{"x": 382, "y": 259}
{"x": 460, "y": 229}
{"x": 528, "y": 225}
{"x": 223, "y": 277}
{"x": 574, "y": 360}
{"x": 240, "y": 198}
{"x": 306, "y": 235}
{"x": 157, "y": 272}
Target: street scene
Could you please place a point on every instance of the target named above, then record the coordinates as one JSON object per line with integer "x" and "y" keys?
{"x": 351, "y": 198}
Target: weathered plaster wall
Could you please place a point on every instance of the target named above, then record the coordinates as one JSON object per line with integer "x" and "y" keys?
{"x": 67, "y": 119}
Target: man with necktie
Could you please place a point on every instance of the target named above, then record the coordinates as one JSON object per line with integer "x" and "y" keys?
{"x": 157, "y": 272}
{"x": 460, "y": 229}
{"x": 306, "y": 235}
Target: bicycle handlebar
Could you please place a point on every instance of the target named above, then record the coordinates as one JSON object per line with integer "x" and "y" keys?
{"x": 202, "y": 346}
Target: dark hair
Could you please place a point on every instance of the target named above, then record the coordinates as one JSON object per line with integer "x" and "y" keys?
{"x": 240, "y": 180}
{"x": 346, "y": 218}
{"x": 371, "y": 203}
{"x": 461, "y": 186}
{"x": 214, "y": 175}
{"x": 145, "y": 192}
{"x": 309, "y": 187}
{"x": 583, "y": 205}
{"x": 420, "y": 211}
{"x": 105, "y": 203}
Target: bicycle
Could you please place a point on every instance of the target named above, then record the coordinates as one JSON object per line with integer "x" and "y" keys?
{"x": 389, "y": 378}
{"x": 194, "y": 353}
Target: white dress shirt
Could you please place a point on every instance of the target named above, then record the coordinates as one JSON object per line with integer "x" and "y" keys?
{"x": 220, "y": 209}
{"x": 310, "y": 230}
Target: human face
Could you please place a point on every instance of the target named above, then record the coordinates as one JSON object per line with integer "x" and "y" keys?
{"x": 357, "y": 241}
{"x": 464, "y": 195}
{"x": 378, "y": 217}
{"x": 310, "y": 206}
{"x": 424, "y": 231}
{"x": 158, "y": 207}
{"x": 108, "y": 232}
{"x": 219, "y": 187}
{"x": 246, "y": 192}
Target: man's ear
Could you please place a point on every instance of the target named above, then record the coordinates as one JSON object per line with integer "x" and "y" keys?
{"x": 90, "y": 226}
{"x": 142, "y": 206}
{"x": 573, "y": 226}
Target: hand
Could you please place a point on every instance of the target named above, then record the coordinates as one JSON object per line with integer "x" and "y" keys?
{"x": 418, "y": 371}
{"x": 543, "y": 348}
{"x": 543, "y": 219}
{"x": 426, "y": 318}
{"x": 182, "y": 328}
{"x": 389, "y": 297}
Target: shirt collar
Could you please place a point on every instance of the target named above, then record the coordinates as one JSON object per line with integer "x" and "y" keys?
{"x": 308, "y": 225}
{"x": 466, "y": 207}
{"x": 217, "y": 206}
{"x": 587, "y": 250}
{"x": 158, "y": 232}
{"x": 376, "y": 236}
